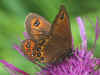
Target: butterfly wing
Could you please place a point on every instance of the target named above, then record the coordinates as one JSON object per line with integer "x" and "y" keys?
{"x": 28, "y": 48}
{"x": 60, "y": 42}
{"x": 36, "y": 26}
{"x": 33, "y": 51}
{"x": 61, "y": 27}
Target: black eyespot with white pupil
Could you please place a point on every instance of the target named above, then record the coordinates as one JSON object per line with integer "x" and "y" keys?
{"x": 33, "y": 53}
{"x": 38, "y": 54}
{"x": 28, "y": 44}
{"x": 37, "y": 23}
{"x": 38, "y": 49}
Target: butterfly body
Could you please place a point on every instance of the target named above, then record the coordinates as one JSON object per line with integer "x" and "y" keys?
{"x": 48, "y": 43}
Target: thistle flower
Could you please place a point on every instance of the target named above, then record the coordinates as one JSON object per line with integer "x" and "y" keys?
{"x": 82, "y": 62}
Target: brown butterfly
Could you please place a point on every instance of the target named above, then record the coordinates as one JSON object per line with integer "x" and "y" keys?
{"x": 48, "y": 43}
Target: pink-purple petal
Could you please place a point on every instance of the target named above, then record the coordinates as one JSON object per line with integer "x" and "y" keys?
{"x": 26, "y": 35}
{"x": 16, "y": 47}
{"x": 82, "y": 32}
{"x": 98, "y": 61}
{"x": 97, "y": 28}
{"x": 12, "y": 68}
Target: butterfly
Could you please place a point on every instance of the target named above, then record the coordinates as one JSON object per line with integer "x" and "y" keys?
{"x": 48, "y": 43}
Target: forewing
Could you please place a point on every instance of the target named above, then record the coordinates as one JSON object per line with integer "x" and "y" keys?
{"x": 60, "y": 43}
{"x": 61, "y": 27}
{"x": 36, "y": 26}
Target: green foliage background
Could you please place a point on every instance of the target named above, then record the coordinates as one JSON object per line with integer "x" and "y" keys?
{"x": 12, "y": 18}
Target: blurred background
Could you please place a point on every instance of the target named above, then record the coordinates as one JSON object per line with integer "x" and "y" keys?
{"x": 12, "y": 18}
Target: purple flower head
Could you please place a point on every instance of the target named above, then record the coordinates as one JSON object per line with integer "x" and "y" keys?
{"x": 82, "y": 62}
